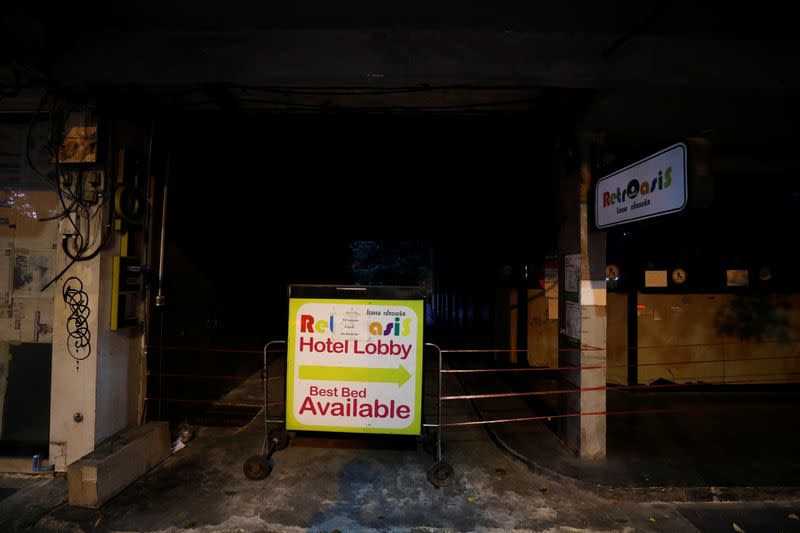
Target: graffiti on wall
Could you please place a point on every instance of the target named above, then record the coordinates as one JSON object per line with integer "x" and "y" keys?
{"x": 78, "y": 334}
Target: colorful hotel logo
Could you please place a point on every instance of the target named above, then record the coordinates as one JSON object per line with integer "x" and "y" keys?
{"x": 651, "y": 187}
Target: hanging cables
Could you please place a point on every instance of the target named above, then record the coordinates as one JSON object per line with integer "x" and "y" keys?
{"x": 85, "y": 236}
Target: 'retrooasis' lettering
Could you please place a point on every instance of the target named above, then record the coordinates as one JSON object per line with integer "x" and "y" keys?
{"x": 638, "y": 188}
{"x": 395, "y": 328}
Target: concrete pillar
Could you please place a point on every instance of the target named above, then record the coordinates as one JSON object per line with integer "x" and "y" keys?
{"x": 582, "y": 309}
{"x": 93, "y": 398}
{"x": 73, "y": 388}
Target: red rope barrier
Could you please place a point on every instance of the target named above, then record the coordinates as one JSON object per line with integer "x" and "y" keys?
{"x": 550, "y": 417}
{"x": 598, "y": 367}
{"x": 202, "y": 349}
{"x": 714, "y": 344}
{"x": 615, "y": 388}
{"x": 530, "y": 369}
{"x": 217, "y": 403}
{"x": 584, "y": 348}
{"x": 205, "y": 376}
{"x": 711, "y": 361}
{"x": 597, "y": 413}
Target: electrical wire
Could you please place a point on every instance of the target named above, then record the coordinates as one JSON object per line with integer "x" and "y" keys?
{"x": 79, "y": 212}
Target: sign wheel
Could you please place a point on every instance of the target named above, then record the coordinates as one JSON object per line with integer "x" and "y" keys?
{"x": 257, "y": 467}
{"x": 441, "y": 474}
{"x": 281, "y": 438}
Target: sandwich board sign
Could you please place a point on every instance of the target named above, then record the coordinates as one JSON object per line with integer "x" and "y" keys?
{"x": 354, "y": 359}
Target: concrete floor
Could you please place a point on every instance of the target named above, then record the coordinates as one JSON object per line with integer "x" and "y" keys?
{"x": 681, "y": 446}
{"x": 361, "y": 488}
{"x": 346, "y": 483}
{"x": 367, "y": 487}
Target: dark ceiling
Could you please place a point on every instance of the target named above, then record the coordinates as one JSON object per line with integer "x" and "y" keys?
{"x": 637, "y": 72}
{"x": 740, "y": 21}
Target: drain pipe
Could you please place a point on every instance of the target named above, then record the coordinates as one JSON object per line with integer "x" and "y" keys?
{"x": 160, "y": 297}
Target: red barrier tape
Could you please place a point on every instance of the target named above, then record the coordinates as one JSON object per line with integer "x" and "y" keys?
{"x": 202, "y": 349}
{"x": 218, "y": 403}
{"x": 598, "y": 367}
{"x": 205, "y": 376}
{"x": 617, "y": 388}
{"x": 599, "y": 413}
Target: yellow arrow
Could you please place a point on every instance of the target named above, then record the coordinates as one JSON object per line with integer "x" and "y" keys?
{"x": 397, "y": 375}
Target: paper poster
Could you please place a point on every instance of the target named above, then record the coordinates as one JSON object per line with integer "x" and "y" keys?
{"x": 32, "y": 270}
{"x": 572, "y": 320}
{"x": 655, "y": 278}
{"x": 572, "y": 272}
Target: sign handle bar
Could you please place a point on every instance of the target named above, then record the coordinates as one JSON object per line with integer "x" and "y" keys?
{"x": 265, "y": 376}
{"x": 438, "y": 403}
{"x": 441, "y": 473}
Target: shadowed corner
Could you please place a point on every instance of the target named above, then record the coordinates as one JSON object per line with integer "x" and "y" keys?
{"x": 755, "y": 317}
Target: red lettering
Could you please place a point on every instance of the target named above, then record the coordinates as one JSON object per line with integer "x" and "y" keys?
{"x": 306, "y": 343}
{"x": 306, "y": 324}
{"x": 307, "y": 405}
{"x": 352, "y": 407}
{"x": 606, "y": 199}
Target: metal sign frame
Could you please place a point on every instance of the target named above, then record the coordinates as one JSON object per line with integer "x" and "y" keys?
{"x": 355, "y": 359}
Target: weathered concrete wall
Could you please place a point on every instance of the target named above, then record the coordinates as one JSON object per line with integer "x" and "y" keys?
{"x": 617, "y": 338}
{"x": 27, "y": 255}
{"x": 117, "y": 371}
{"x": 104, "y": 387}
{"x": 711, "y": 338}
{"x": 542, "y": 329}
{"x": 73, "y": 383}
{"x": 582, "y": 334}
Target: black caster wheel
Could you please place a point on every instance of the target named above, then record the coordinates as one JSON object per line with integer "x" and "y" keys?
{"x": 257, "y": 467}
{"x": 441, "y": 474}
{"x": 283, "y": 439}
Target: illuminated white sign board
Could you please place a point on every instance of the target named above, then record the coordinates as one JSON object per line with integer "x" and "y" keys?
{"x": 355, "y": 365}
{"x": 654, "y": 186}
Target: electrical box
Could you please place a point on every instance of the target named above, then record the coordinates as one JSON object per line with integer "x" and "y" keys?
{"x": 125, "y": 286}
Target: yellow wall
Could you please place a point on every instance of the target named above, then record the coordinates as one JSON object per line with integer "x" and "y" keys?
{"x": 685, "y": 338}
{"x": 617, "y": 338}
{"x": 542, "y": 329}
{"x": 711, "y": 338}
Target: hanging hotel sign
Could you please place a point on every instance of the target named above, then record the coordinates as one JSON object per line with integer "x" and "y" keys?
{"x": 354, "y": 365}
{"x": 654, "y": 186}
